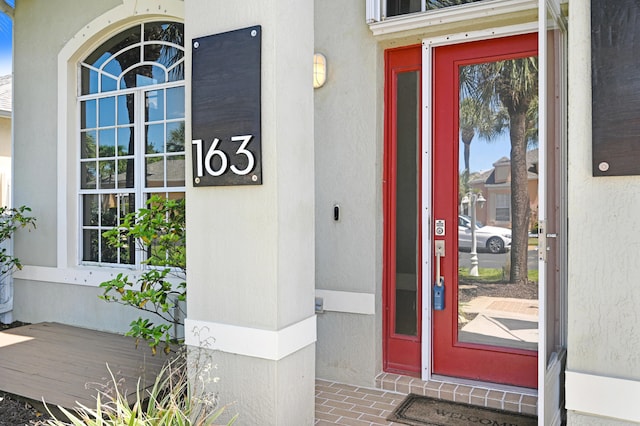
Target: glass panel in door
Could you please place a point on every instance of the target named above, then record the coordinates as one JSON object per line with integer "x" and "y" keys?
{"x": 406, "y": 189}
{"x": 498, "y": 203}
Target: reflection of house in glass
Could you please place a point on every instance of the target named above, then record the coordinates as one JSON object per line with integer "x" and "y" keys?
{"x": 165, "y": 172}
{"x": 159, "y": 172}
{"x": 495, "y": 185}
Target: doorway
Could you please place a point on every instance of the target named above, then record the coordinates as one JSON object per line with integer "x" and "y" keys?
{"x": 483, "y": 196}
{"x": 485, "y": 186}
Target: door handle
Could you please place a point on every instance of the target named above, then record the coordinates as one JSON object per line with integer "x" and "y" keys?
{"x": 439, "y": 255}
{"x": 438, "y": 286}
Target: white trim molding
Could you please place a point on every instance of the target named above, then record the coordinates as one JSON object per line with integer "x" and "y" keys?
{"x": 603, "y": 396}
{"x": 349, "y": 302}
{"x": 90, "y": 276}
{"x": 373, "y": 11}
{"x": 549, "y": 399}
{"x": 258, "y": 343}
{"x": 7, "y": 9}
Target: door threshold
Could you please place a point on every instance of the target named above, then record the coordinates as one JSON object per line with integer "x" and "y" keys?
{"x": 482, "y": 394}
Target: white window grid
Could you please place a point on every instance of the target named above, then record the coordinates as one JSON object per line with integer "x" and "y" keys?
{"x": 102, "y": 70}
{"x": 140, "y": 190}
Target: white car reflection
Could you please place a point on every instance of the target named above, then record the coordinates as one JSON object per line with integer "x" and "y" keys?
{"x": 492, "y": 238}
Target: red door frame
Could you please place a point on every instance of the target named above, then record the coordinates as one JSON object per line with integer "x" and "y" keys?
{"x": 450, "y": 357}
{"x": 401, "y": 353}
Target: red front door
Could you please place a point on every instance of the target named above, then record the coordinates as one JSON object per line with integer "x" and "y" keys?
{"x": 488, "y": 328}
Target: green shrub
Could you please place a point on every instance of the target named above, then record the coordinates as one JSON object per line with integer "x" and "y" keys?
{"x": 158, "y": 231}
{"x": 12, "y": 219}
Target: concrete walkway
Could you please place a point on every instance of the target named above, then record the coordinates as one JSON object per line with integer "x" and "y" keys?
{"x": 500, "y": 321}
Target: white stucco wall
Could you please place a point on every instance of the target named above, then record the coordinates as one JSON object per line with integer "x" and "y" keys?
{"x": 348, "y": 137}
{"x": 603, "y": 246}
{"x": 79, "y": 305}
{"x": 577, "y": 419}
{"x": 261, "y": 236}
{"x": 349, "y": 126}
{"x": 35, "y": 85}
{"x": 251, "y": 249}
{"x": 348, "y": 147}
{"x": 603, "y": 301}
{"x": 48, "y": 289}
{"x": 603, "y": 296}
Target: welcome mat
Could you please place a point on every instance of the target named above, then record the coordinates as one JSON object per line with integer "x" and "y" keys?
{"x": 420, "y": 410}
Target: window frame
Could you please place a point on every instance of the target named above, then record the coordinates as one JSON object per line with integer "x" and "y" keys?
{"x": 423, "y": 7}
{"x": 381, "y": 25}
{"x": 140, "y": 190}
{"x": 503, "y": 198}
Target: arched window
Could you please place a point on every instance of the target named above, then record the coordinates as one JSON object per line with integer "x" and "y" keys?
{"x": 131, "y": 134}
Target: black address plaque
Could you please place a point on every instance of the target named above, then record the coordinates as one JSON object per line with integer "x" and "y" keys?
{"x": 225, "y": 105}
{"x": 615, "y": 75}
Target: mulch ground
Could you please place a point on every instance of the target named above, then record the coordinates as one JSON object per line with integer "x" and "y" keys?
{"x": 13, "y": 410}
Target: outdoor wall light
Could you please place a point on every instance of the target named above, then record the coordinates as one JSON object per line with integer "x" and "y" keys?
{"x": 319, "y": 70}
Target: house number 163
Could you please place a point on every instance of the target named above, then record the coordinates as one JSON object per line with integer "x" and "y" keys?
{"x": 206, "y": 162}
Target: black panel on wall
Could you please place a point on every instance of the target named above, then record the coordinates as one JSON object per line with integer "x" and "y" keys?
{"x": 615, "y": 82}
{"x": 226, "y": 109}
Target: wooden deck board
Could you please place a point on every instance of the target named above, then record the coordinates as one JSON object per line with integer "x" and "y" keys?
{"x": 63, "y": 365}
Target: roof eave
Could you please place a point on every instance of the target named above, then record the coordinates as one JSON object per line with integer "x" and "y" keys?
{"x": 6, "y": 8}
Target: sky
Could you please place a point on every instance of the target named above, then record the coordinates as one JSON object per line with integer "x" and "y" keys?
{"x": 484, "y": 153}
{"x": 5, "y": 44}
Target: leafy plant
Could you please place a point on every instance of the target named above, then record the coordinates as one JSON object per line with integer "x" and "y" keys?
{"x": 12, "y": 219}
{"x": 173, "y": 400}
{"x": 158, "y": 231}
